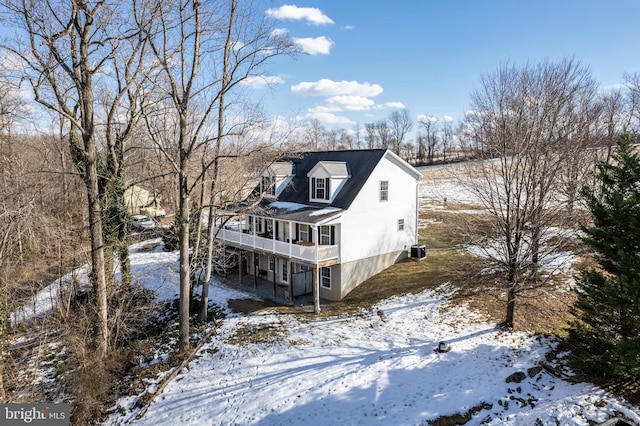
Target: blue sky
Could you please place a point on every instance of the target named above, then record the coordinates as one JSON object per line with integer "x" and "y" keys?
{"x": 368, "y": 58}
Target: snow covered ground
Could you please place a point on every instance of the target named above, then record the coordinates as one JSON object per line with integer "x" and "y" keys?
{"x": 379, "y": 367}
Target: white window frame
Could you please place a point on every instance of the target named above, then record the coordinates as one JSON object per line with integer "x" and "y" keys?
{"x": 400, "y": 224}
{"x": 305, "y": 232}
{"x": 285, "y": 270}
{"x": 271, "y": 262}
{"x": 269, "y": 185}
{"x": 325, "y": 235}
{"x": 320, "y": 184}
{"x": 384, "y": 190}
{"x": 325, "y": 277}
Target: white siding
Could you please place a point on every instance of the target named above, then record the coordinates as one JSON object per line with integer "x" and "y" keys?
{"x": 370, "y": 227}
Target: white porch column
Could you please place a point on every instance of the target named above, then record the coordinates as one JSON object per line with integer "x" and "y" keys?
{"x": 316, "y": 281}
{"x": 290, "y": 238}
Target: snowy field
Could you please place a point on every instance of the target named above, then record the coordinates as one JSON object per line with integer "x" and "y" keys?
{"x": 379, "y": 367}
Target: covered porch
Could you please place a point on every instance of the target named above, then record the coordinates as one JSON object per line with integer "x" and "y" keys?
{"x": 282, "y": 279}
{"x": 264, "y": 289}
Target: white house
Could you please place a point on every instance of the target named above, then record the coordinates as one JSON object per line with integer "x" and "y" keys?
{"x": 327, "y": 221}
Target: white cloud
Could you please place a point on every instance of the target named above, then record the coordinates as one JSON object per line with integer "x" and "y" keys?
{"x": 348, "y": 27}
{"x": 315, "y": 46}
{"x": 260, "y": 81}
{"x": 279, "y": 32}
{"x": 397, "y": 105}
{"x": 326, "y": 87}
{"x": 312, "y": 15}
{"x": 329, "y": 118}
{"x": 347, "y": 103}
{"x": 423, "y": 118}
{"x": 447, "y": 118}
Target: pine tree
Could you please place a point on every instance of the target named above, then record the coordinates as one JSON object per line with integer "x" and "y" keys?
{"x": 607, "y": 331}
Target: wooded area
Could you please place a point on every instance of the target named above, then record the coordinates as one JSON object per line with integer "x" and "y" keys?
{"x": 96, "y": 98}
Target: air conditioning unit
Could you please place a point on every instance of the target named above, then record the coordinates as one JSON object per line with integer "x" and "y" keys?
{"x": 418, "y": 251}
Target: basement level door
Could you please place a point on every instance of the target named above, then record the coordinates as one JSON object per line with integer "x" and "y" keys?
{"x": 302, "y": 283}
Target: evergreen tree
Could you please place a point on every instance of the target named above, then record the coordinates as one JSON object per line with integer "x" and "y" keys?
{"x": 607, "y": 331}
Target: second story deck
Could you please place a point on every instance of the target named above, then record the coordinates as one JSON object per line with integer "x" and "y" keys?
{"x": 307, "y": 252}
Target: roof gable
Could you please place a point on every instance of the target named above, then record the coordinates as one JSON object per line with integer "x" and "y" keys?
{"x": 334, "y": 169}
{"x": 278, "y": 169}
{"x": 358, "y": 164}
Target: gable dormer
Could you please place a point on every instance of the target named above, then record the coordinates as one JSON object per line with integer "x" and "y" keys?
{"x": 326, "y": 179}
{"x": 275, "y": 177}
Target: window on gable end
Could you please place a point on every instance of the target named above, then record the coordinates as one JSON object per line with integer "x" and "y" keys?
{"x": 384, "y": 190}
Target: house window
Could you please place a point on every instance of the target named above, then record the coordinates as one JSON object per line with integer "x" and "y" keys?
{"x": 400, "y": 224}
{"x": 384, "y": 190}
{"x": 325, "y": 235}
{"x": 285, "y": 270}
{"x": 303, "y": 232}
{"x": 268, "y": 185}
{"x": 320, "y": 188}
{"x": 325, "y": 277}
{"x": 271, "y": 263}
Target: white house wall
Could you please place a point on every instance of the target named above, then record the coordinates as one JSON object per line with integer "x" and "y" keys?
{"x": 370, "y": 226}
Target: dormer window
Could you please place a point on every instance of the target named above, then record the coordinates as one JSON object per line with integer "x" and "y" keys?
{"x": 320, "y": 188}
{"x": 275, "y": 177}
{"x": 268, "y": 185}
{"x": 326, "y": 179}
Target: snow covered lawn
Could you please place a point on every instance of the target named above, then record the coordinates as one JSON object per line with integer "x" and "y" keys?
{"x": 379, "y": 367}
{"x": 376, "y": 368}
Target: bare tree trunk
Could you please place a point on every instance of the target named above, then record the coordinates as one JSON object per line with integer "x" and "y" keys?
{"x": 208, "y": 264}
{"x": 97, "y": 251}
{"x": 216, "y": 159}
{"x": 511, "y": 306}
{"x": 185, "y": 276}
{"x": 3, "y": 332}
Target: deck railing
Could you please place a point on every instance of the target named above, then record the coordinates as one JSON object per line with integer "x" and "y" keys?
{"x": 306, "y": 252}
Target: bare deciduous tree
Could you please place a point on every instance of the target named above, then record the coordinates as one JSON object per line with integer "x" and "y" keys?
{"x": 446, "y": 140}
{"x": 370, "y": 135}
{"x": 384, "y": 134}
{"x": 64, "y": 54}
{"x": 315, "y": 134}
{"x": 205, "y": 50}
{"x": 401, "y": 123}
{"x": 429, "y": 125}
{"x": 529, "y": 119}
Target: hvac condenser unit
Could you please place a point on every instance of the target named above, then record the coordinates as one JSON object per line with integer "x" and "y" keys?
{"x": 418, "y": 251}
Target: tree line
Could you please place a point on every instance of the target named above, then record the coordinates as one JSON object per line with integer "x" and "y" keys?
{"x": 152, "y": 92}
{"x": 136, "y": 92}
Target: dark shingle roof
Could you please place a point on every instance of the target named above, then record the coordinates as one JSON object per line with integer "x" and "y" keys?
{"x": 360, "y": 164}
